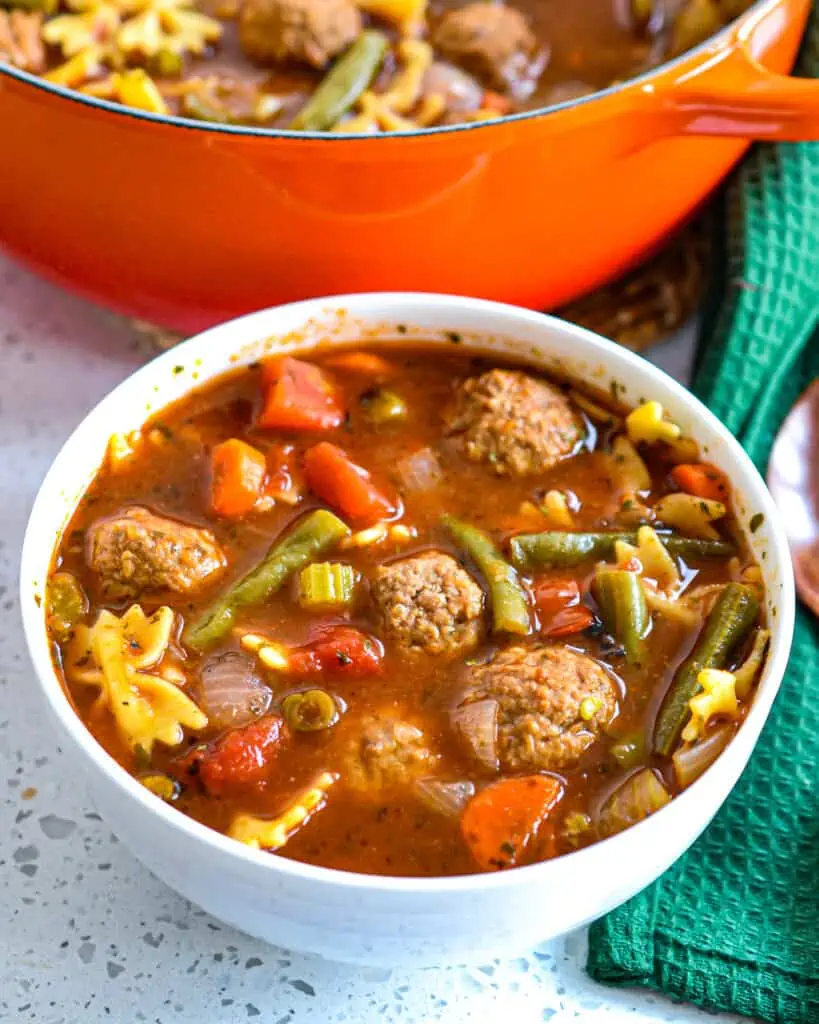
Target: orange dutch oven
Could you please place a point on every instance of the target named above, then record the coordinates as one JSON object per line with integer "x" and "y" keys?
{"x": 186, "y": 224}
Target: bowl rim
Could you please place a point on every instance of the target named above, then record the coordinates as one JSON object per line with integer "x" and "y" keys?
{"x": 361, "y": 305}
{"x": 638, "y": 82}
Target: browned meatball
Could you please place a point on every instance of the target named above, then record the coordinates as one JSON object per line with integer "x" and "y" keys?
{"x": 515, "y": 423}
{"x": 297, "y": 31}
{"x": 493, "y": 42}
{"x": 429, "y": 604}
{"x": 539, "y": 692}
{"x": 138, "y": 550}
{"x": 386, "y": 752}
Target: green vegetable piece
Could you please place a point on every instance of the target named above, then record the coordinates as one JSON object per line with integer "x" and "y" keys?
{"x": 640, "y": 795}
{"x": 629, "y": 751}
{"x": 624, "y": 611}
{"x": 310, "y": 710}
{"x": 316, "y": 533}
{"x": 732, "y": 617}
{"x": 200, "y": 110}
{"x": 66, "y": 604}
{"x": 343, "y": 84}
{"x": 167, "y": 64}
{"x": 510, "y": 609}
{"x": 384, "y": 407}
{"x": 326, "y": 584}
{"x": 557, "y": 549}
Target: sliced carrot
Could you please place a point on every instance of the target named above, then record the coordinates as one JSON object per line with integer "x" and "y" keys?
{"x": 344, "y": 485}
{"x": 569, "y": 621}
{"x": 368, "y": 364}
{"x": 702, "y": 480}
{"x": 238, "y": 473}
{"x": 501, "y": 822}
{"x": 299, "y": 396}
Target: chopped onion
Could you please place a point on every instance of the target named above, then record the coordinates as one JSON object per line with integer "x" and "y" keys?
{"x": 476, "y": 725}
{"x": 232, "y": 693}
{"x": 691, "y": 762}
{"x": 448, "y": 798}
{"x": 461, "y": 92}
{"x": 640, "y": 795}
{"x": 420, "y": 471}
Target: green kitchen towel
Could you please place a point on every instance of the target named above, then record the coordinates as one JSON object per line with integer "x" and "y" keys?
{"x": 734, "y": 924}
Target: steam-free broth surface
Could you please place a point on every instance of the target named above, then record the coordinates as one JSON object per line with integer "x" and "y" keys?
{"x": 456, "y": 729}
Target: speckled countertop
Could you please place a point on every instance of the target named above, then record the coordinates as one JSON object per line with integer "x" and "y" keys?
{"x": 86, "y": 933}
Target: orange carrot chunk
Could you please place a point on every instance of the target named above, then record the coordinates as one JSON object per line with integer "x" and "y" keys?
{"x": 298, "y": 396}
{"x": 344, "y": 485}
{"x": 501, "y": 823}
{"x": 702, "y": 480}
{"x": 238, "y": 473}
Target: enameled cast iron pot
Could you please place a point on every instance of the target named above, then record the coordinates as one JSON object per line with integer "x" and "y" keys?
{"x": 187, "y": 224}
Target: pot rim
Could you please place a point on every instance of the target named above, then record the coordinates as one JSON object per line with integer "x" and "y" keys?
{"x": 173, "y": 120}
{"x": 392, "y": 307}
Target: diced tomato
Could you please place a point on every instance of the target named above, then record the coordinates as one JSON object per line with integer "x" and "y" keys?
{"x": 344, "y": 485}
{"x": 238, "y": 473}
{"x": 241, "y": 759}
{"x": 501, "y": 823}
{"x": 338, "y": 650}
{"x": 299, "y": 396}
{"x": 569, "y": 621}
{"x": 559, "y": 609}
{"x": 554, "y": 594}
{"x": 702, "y": 480}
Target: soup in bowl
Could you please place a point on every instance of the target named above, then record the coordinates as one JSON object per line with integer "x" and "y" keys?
{"x": 421, "y": 605}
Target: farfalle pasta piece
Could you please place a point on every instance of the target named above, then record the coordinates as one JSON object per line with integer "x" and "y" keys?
{"x": 691, "y": 515}
{"x": 653, "y": 559}
{"x": 114, "y": 654}
{"x": 85, "y": 28}
{"x": 716, "y": 697}
{"x": 273, "y": 833}
{"x": 166, "y": 26}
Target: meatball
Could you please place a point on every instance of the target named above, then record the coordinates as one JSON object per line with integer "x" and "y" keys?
{"x": 138, "y": 550}
{"x": 386, "y": 752}
{"x": 515, "y": 423}
{"x": 429, "y": 604}
{"x": 308, "y": 32}
{"x": 493, "y": 42}
{"x": 539, "y": 691}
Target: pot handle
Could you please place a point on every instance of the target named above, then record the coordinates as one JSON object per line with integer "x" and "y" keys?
{"x": 733, "y": 95}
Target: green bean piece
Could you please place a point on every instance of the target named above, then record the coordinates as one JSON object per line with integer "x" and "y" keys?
{"x": 66, "y": 604}
{"x": 510, "y": 609}
{"x": 557, "y": 549}
{"x": 316, "y": 533}
{"x": 310, "y": 710}
{"x": 732, "y": 617}
{"x": 343, "y": 84}
{"x": 624, "y": 610}
{"x": 384, "y": 407}
{"x": 326, "y": 585}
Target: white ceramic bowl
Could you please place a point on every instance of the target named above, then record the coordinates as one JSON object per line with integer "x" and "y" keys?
{"x": 363, "y": 918}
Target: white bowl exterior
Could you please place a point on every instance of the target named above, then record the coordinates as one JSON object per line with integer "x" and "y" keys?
{"x": 360, "y": 918}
